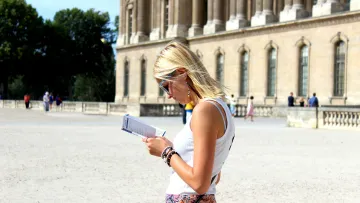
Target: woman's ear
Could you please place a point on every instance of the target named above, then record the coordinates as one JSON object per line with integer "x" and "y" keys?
{"x": 182, "y": 72}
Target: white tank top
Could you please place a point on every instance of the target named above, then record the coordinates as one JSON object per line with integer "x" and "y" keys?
{"x": 184, "y": 145}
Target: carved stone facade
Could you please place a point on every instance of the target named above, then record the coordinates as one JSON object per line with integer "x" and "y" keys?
{"x": 283, "y": 46}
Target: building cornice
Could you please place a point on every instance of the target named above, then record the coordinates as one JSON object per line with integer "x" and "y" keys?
{"x": 334, "y": 19}
{"x": 143, "y": 44}
{"x": 313, "y": 22}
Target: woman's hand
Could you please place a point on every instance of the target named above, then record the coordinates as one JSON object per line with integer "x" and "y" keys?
{"x": 157, "y": 145}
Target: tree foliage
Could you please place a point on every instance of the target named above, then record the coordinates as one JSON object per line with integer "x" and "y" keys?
{"x": 70, "y": 55}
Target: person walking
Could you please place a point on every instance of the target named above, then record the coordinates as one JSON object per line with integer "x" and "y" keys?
{"x": 51, "y": 100}
{"x": 250, "y": 109}
{"x": 46, "y": 100}
{"x": 183, "y": 113}
{"x": 199, "y": 150}
{"x": 232, "y": 105}
{"x": 27, "y": 100}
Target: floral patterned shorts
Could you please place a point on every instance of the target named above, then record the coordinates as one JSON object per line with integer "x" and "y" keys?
{"x": 185, "y": 198}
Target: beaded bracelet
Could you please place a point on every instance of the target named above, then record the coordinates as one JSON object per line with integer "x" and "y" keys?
{"x": 166, "y": 151}
{"x": 168, "y": 158}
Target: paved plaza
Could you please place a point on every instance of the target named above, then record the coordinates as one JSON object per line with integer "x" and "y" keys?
{"x": 73, "y": 158}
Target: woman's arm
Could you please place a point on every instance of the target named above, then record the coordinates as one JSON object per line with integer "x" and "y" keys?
{"x": 204, "y": 125}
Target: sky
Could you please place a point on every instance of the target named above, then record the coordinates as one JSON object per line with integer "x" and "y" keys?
{"x": 48, "y": 8}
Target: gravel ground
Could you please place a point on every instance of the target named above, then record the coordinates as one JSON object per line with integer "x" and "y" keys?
{"x": 69, "y": 157}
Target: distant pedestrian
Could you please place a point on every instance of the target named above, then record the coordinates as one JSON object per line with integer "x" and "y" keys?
{"x": 46, "y": 101}
{"x": 189, "y": 109}
{"x": 27, "y": 100}
{"x": 313, "y": 101}
{"x": 51, "y": 100}
{"x": 302, "y": 102}
{"x": 58, "y": 102}
{"x": 291, "y": 100}
{"x": 232, "y": 105}
{"x": 183, "y": 113}
{"x": 250, "y": 109}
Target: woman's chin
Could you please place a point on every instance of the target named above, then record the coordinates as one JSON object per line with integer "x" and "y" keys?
{"x": 179, "y": 101}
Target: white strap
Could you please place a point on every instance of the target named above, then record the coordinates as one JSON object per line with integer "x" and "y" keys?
{"x": 221, "y": 112}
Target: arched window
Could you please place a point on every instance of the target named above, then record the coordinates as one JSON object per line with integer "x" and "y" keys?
{"x": 339, "y": 69}
{"x": 220, "y": 68}
{"x": 271, "y": 77}
{"x": 303, "y": 70}
{"x": 143, "y": 78}
{"x": 244, "y": 73}
{"x": 126, "y": 79}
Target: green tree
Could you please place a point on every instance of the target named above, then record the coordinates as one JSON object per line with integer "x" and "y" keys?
{"x": 19, "y": 38}
{"x": 88, "y": 55}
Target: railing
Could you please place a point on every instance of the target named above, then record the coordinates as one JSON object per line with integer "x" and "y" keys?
{"x": 81, "y": 107}
{"x": 259, "y": 110}
{"x": 340, "y": 118}
{"x": 160, "y": 110}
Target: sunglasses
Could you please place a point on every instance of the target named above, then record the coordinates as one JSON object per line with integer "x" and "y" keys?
{"x": 165, "y": 88}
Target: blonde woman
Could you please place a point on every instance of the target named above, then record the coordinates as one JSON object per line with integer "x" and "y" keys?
{"x": 200, "y": 149}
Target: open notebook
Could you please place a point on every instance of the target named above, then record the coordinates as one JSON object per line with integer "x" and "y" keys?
{"x": 138, "y": 127}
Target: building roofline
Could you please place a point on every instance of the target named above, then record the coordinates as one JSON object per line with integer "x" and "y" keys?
{"x": 258, "y": 30}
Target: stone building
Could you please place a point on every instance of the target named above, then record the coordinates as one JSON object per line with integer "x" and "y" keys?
{"x": 264, "y": 48}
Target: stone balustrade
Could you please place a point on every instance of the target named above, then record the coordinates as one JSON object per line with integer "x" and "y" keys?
{"x": 79, "y": 107}
{"x": 329, "y": 117}
{"x": 259, "y": 110}
{"x": 324, "y": 117}
{"x": 160, "y": 110}
{"x": 339, "y": 118}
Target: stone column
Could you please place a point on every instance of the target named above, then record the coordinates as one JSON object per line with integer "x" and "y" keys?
{"x": 266, "y": 16}
{"x": 294, "y": 12}
{"x": 134, "y": 9}
{"x": 141, "y": 35}
{"x": 217, "y": 21}
{"x": 258, "y": 7}
{"x": 232, "y": 9}
{"x": 197, "y": 18}
{"x": 121, "y": 40}
{"x": 327, "y": 7}
{"x": 171, "y": 17}
{"x": 156, "y": 31}
{"x": 181, "y": 25}
{"x": 309, "y": 6}
{"x": 209, "y": 16}
{"x": 237, "y": 16}
{"x": 354, "y": 5}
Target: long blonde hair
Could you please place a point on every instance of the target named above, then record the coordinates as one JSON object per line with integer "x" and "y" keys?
{"x": 177, "y": 55}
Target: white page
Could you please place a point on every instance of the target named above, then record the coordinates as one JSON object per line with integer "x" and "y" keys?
{"x": 136, "y": 126}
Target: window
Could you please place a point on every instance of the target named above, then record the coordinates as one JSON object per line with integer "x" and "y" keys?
{"x": 244, "y": 73}
{"x": 271, "y": 73}
{"x": 339, "y": 72}
{"x": 220, "y": 69}
{"x": 130, "y": 27}
{"x": 126, "y": 79}
{"x": 303, "y": 70}
{"x": 166, "y": 13}
{"x": 143, "y": 78}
